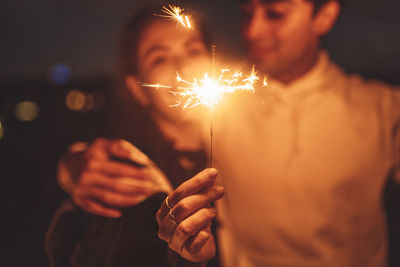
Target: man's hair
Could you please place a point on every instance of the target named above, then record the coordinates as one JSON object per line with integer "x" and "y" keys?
{"x": 319, "y": 3}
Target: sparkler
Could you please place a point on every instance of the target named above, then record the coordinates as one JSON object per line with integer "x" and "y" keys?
{"x": 176, "y": 14}
{"x": 208, "y": 90}
{"x": 265, "y": 81}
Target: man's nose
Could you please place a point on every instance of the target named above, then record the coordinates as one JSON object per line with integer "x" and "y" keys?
{"x": 257, "y": 27}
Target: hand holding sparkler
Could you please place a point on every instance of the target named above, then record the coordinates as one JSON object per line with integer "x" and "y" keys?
{"x": 186, "y": 215}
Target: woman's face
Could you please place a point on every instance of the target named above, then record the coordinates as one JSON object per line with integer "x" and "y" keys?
{"x": 166, "y": 49}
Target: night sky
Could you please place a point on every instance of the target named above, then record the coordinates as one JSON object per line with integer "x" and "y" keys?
{"x": 38, "y": 34}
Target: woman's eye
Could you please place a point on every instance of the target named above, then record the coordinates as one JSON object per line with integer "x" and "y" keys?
{"x": 159, "y": 61}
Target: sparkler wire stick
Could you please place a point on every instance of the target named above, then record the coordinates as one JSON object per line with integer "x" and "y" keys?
{"x": 213, "y": 53}
{"x": 211, "y": 143}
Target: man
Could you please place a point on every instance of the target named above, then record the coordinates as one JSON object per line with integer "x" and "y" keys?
{"x": 303, "y": 163}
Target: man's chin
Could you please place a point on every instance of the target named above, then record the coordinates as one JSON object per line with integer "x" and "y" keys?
{"x": 266, "y": 66}
{"x": 261, "y": 58}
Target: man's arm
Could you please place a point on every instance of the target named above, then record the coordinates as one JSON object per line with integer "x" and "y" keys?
{"x": 395, "y": 100}
{"x": 64, "y": 173}
{"x": 107, "y": 175}
{"x": 397, "y": 154}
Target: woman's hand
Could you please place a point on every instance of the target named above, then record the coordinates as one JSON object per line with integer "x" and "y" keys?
{"x": 186, "y": 215}
{"x": 103, "y": 185}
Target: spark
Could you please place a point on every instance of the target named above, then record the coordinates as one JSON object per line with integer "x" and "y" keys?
{"x": 175, "y": 13}
{"x": 265, "y": 81}
{"x": 208, "y": 90}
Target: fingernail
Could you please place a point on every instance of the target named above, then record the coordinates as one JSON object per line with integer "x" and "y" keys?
{"x": 205, "y": 233}
{"x": 212, "y": 172}
{"x": 220, "y": 190}
{"x": 116, "y": 215}
{"x": 213, "y": 212}
{"x": 125, "y": 145}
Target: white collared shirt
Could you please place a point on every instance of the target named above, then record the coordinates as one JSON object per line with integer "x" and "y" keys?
{"x": 304, "y": 166}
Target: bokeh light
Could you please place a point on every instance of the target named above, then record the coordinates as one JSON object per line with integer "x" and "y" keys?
{"x": 76, "y": 100}
{"x": 59, "y": 74}
{"x": 90, "y": 102}
{"x": 1, "y": 130}
{"x": 27, "y": 111}
{"x": 99, "y": 101}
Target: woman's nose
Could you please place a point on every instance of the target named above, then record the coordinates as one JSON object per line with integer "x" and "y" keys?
{"x": 179, "y": 62}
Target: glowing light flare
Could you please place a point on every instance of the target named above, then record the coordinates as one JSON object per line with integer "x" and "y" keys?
{"x": 265, "y": 81}
{"x": 207, "y": 90}
{"x": 176, "y": 14}
{"x": 84, "y": 102}
{"x": 75, "y": 100}
{"x": 59, "y": 74}
{"x": 27, "y": 111}
{"x": 99, "y": 101}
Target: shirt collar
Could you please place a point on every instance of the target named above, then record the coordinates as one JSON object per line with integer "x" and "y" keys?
{"x": 312, "y": 80}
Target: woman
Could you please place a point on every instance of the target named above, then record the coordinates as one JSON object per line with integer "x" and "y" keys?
{"x": 116, "y": 180}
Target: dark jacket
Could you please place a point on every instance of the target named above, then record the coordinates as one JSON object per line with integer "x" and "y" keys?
{"x": 76, "y": 238}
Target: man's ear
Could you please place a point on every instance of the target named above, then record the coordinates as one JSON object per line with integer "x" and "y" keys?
{"x": 134, "y": 87}
{"x": 326, "y": 17}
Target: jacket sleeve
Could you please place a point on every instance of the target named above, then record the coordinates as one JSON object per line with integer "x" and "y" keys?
{"x": 64, "y": 233}
{"x": 64, "y": 176}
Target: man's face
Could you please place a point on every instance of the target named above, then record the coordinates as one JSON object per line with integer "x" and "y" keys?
{"x": 166, "y": 49}
{"x": 279, "y": 35}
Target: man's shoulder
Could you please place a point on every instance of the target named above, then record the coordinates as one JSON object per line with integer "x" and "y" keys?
{"x": 370, "y": 86}
{"x": 371, "y": 93}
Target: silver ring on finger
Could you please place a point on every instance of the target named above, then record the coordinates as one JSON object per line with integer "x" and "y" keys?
{"x": 172, "y": 217}
{"x": 167, "y": 202}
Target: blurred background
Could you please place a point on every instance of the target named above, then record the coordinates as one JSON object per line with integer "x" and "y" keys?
{"x": 58, "y": 64}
